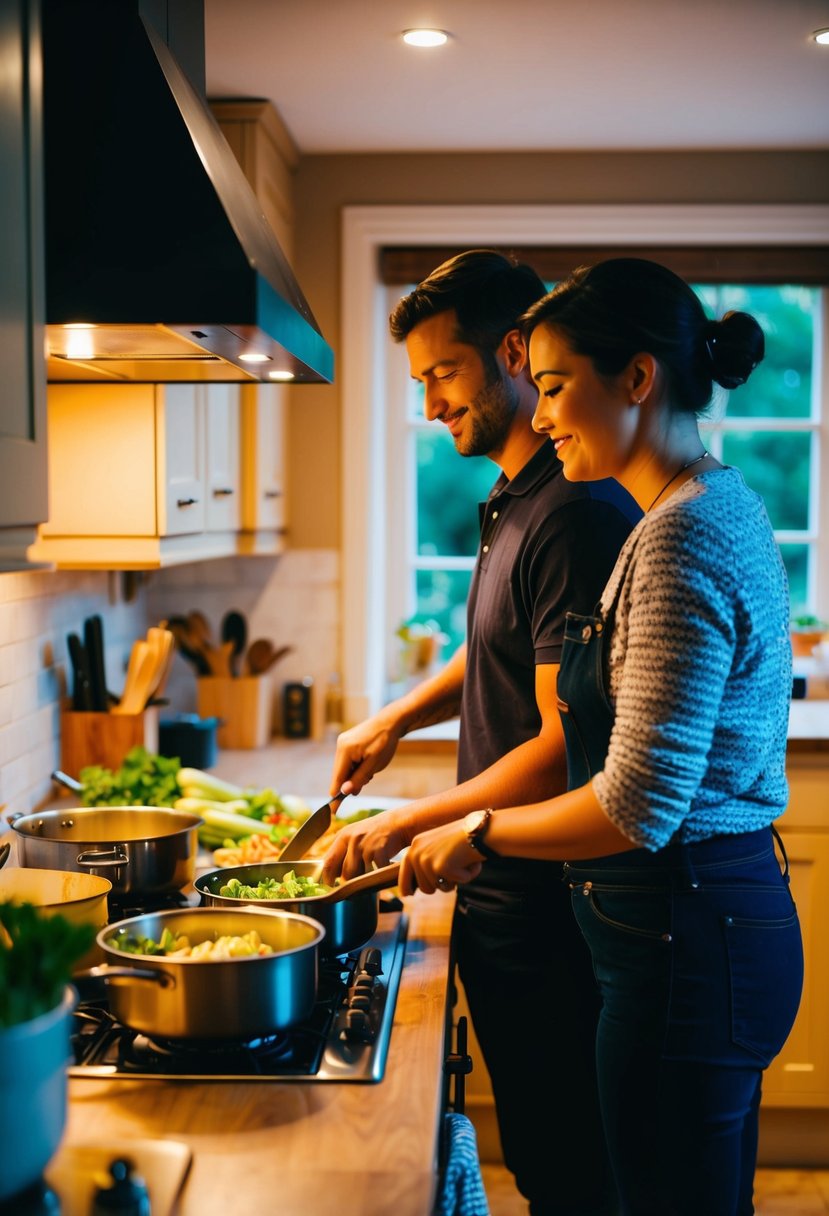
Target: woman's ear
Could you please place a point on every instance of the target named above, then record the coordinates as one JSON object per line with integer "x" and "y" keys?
{"x": 640, "y": 377}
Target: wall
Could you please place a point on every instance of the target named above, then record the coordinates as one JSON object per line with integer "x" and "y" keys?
{"x": 295, "y": 598}
{"x": 37, "y": 611}
{"x": 325, "y": 184}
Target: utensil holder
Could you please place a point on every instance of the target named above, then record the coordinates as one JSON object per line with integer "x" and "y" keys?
{"x": 102, "y": 738}
{"x": 243, "y": 706}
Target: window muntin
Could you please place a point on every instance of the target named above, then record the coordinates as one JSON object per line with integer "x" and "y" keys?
{"x": 771, "y": 429}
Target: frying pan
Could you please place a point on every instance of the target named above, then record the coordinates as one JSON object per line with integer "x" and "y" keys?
{"x": 348, "y": 913}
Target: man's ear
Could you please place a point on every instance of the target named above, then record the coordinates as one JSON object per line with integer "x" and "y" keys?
{"x": 513, "y": 350}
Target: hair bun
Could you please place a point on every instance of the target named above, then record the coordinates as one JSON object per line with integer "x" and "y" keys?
{"x": 735, "y": 346}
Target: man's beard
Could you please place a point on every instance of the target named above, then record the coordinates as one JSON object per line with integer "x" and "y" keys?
{"x": 491, "y": 414}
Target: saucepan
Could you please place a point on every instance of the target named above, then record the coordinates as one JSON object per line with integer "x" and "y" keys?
{"x": 348, "y": 913}
{"x": 78, "y": 898}
{"x": 201, "y": 998}
{"x": 142, "y": 850}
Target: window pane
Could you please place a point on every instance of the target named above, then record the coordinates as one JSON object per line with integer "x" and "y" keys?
{"x": 776, "y": 465}
{"x": 449, "y": 488}
{"x": 781, "y": 387}
{"x": 796, "y": 561}
{"x": 441, "y": 597}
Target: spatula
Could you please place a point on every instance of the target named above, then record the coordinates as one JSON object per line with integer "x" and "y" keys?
{"x": 313, "y": 827}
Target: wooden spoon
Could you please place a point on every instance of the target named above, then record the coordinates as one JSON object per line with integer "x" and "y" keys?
{"x": 140, "y": 670}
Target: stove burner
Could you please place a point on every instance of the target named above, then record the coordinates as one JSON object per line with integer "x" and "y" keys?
{"x": 344, "y": 1038}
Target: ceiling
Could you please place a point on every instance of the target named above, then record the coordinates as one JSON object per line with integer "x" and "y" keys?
{"x": 525, "y": 75}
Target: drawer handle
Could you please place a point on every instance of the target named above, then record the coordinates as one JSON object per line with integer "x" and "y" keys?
{"x": 222, "y": 492}
{"x": 273, "y": 493}
{"x": 186, "y": 502}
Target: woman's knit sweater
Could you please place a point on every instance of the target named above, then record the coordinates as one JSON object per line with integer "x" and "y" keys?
{"x": 699, "y": 668}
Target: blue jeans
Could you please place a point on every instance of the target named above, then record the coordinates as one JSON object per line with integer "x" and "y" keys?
{"x": 698, "y": 955}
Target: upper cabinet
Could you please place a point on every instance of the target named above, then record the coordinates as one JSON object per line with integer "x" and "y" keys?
{"x": 145, "y": 475}
{"x": 23, "y": 483}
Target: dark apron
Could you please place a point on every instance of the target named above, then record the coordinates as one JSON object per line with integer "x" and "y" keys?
{"x": 586, "y": 713}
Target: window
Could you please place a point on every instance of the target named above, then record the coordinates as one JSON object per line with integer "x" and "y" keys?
{"x": 770, "y": 430}
{"x": 786, "y": 244}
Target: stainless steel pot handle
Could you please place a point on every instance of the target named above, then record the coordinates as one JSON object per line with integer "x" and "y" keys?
{"x": 100, "y": 860}
{"x": 105, "y": 972}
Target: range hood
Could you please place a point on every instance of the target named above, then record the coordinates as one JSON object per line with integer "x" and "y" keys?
{"x": 160, "y": 265}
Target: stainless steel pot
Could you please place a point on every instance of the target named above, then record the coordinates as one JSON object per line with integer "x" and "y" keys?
{"x": 349, "y": 920}
{"x": 142, "y": 850}
{"x": 190, "y": 998}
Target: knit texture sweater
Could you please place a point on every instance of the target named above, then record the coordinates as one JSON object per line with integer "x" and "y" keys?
{"x": 698, "y": 668}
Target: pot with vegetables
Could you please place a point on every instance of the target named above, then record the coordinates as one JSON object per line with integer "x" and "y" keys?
{"x": 348, "y": 911}
{"x": 142, "y": 850}
{"x": 209, "y": 973}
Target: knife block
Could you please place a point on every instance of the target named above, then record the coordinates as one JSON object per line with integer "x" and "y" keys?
{"x": 243, "y": 706}
{"x": 105, "y": 739}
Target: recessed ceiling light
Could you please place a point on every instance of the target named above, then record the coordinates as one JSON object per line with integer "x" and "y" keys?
{"x": 425, "y": 37}
{"x": 254, "y": 357}
{"x": 821, "y": 37}
{"x": 278, "y": 375}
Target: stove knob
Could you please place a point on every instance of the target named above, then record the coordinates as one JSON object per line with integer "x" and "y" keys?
{"x": 128, "y": 1195}
{"x": 357, "y": 1025}
{"x": 371, "y": 961}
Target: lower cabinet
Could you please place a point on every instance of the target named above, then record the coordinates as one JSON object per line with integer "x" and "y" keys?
{"x": 799, "y": 1077}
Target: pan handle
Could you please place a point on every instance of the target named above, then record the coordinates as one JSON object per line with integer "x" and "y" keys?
{"x": 69, "y": 782}
{"x": 104, "y": 972}
{"x": 104, "y": 858}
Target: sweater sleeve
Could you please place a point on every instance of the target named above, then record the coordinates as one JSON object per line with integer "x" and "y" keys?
{"x": 674, "y": 625}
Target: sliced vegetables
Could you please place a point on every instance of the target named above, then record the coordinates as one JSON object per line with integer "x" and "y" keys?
{"x": 172, "y": 946}
{"x": 291, "y": 886}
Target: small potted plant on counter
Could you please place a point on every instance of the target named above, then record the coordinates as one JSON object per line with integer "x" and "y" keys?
{"x": 807, "y": 631}
{"x": 37, "y": 954}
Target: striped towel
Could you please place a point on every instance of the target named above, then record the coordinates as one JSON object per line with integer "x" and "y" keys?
{"x": 462, "y": 1189}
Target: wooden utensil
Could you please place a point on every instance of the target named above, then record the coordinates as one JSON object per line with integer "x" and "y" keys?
{"x": 139, "y": 673}
{"x": 262, "y": 655}
{"x": 235, "y": 630}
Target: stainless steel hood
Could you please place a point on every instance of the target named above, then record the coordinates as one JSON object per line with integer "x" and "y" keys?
{"x": 160, "y": 265}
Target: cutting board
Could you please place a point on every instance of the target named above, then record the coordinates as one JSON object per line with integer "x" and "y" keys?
{"x": 77, "y": 1170}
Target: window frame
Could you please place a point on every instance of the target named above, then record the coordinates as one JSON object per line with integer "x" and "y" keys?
{"x": 369, "y": 359}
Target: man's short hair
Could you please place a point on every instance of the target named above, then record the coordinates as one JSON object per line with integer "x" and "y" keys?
{"x": 487, "y": 290}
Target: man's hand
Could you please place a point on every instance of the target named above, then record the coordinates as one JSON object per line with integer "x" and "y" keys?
{"x": 362, "y": 751}
{"x": 356, "y": 846}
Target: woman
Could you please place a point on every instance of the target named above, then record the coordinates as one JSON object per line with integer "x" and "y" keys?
{"x": 674, "y": 699}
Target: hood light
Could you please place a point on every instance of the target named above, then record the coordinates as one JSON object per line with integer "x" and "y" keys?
{"x": 278, "y": 375}
{"x": 254, "y": 357}
{"x": 821, "y": 37}
{"x": 79, "y": 344}
{"x": 425, "y": 37}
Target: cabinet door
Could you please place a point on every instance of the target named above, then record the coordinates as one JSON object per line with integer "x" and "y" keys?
{"x": 800, "y": 1075}
{"x": 181, "y": 485}
{"x": 263, "y": 457}
{"x": 224, "y": 512}
{"x": 23, "y": 479}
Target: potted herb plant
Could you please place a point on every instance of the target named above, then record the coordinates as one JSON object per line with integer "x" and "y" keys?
{"x": 806, "y": 632}
{"x": 37, "y": 954}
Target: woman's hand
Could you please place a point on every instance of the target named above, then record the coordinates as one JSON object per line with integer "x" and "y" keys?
{"x": 438, "y": 860}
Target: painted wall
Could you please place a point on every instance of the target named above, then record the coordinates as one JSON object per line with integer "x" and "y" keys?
{"x": 325, "y": 184}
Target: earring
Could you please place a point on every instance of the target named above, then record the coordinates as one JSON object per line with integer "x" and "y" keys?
{"x": 637, "y": 400}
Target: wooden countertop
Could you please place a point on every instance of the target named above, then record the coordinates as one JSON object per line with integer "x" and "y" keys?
{"x": 357, "y": 1149}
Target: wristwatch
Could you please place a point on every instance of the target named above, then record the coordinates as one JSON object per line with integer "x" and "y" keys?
{"x": 476, "y": 826}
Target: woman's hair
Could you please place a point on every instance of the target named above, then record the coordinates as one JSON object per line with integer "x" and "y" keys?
{"x": 625, "y": 306}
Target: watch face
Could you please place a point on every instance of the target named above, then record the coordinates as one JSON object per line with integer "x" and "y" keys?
{"x": 474, "y": 820}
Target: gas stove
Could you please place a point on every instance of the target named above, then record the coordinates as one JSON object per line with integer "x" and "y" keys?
{"x": 345, "y": 1038}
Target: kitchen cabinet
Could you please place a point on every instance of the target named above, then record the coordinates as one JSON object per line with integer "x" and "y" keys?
{"x": 262, "y": 433}
{"x": 142, "y": 475}
{"x": 799, "y": 1077}
{"x": 23, "y": 481}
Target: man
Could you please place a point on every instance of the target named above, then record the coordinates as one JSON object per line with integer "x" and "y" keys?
{"x": 547, "y": 547}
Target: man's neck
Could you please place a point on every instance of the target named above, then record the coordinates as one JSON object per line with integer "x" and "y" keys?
{"x": 521, "y": 445}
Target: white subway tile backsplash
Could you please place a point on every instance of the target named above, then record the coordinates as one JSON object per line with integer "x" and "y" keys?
{"x": 292, "y": 599}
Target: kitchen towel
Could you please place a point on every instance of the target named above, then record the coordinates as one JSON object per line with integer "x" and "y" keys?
{"x": 462, "y": 1187}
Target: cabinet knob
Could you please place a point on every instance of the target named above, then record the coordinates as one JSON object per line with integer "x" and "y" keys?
{"x": 222, "y": 492}
{"x": 186, "y": 502}
{"x": 273, "y": 493}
